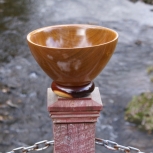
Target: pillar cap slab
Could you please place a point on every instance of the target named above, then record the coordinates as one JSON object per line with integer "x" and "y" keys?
{"x": 58, "y": 104}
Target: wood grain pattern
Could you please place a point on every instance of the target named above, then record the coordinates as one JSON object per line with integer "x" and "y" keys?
{"x": 72, "y": 92}
{"x": 72, "y": 55}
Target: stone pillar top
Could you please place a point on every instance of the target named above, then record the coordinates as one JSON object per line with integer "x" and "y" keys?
{"x": 58, "y": 104}
{"x": 74, "y": 122}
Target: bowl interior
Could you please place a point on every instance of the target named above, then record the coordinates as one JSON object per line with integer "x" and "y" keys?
{"x": 72, "y": 36}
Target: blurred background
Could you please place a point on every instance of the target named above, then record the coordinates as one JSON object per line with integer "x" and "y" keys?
{"x": 24, "y": 119}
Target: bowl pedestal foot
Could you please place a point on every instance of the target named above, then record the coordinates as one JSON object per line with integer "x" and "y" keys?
{"x": 72, "y": 92}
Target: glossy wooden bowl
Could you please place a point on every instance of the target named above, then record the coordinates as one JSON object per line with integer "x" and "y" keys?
{"x": 72, "y": 55}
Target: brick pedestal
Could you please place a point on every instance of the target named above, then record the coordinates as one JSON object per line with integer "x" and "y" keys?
{"x": 74, "y": 122}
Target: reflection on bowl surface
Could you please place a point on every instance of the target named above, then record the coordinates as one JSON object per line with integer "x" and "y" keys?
{"x": 72, "y": 36}
{"x": 72, "y": 55}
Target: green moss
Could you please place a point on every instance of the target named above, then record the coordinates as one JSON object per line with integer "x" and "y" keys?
{"x": 140, "y": 111}
{"x": 150, "y": 69}
{"x": 150, "y": 72}
{"x": 148, "y": 1}
{"x": 145, "y": 1}
{"x": 151, "y": 79}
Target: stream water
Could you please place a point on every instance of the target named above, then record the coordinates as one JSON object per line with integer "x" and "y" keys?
{"x": 24, "y": 118}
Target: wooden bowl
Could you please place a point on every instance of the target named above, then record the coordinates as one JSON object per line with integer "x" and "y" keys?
{"x": 72, "y": 55}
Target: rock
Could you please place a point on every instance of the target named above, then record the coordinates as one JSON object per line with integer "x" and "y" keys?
{"x": 140, "y": 111}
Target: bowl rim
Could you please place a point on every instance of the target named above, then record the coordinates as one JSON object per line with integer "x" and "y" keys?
{"x": 66, "y": 25}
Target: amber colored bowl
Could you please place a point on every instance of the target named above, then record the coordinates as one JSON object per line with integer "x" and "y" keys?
{"x": 72, "y": 55}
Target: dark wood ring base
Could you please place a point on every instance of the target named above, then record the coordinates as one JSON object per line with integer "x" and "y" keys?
{"x": 72, "y": 92}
